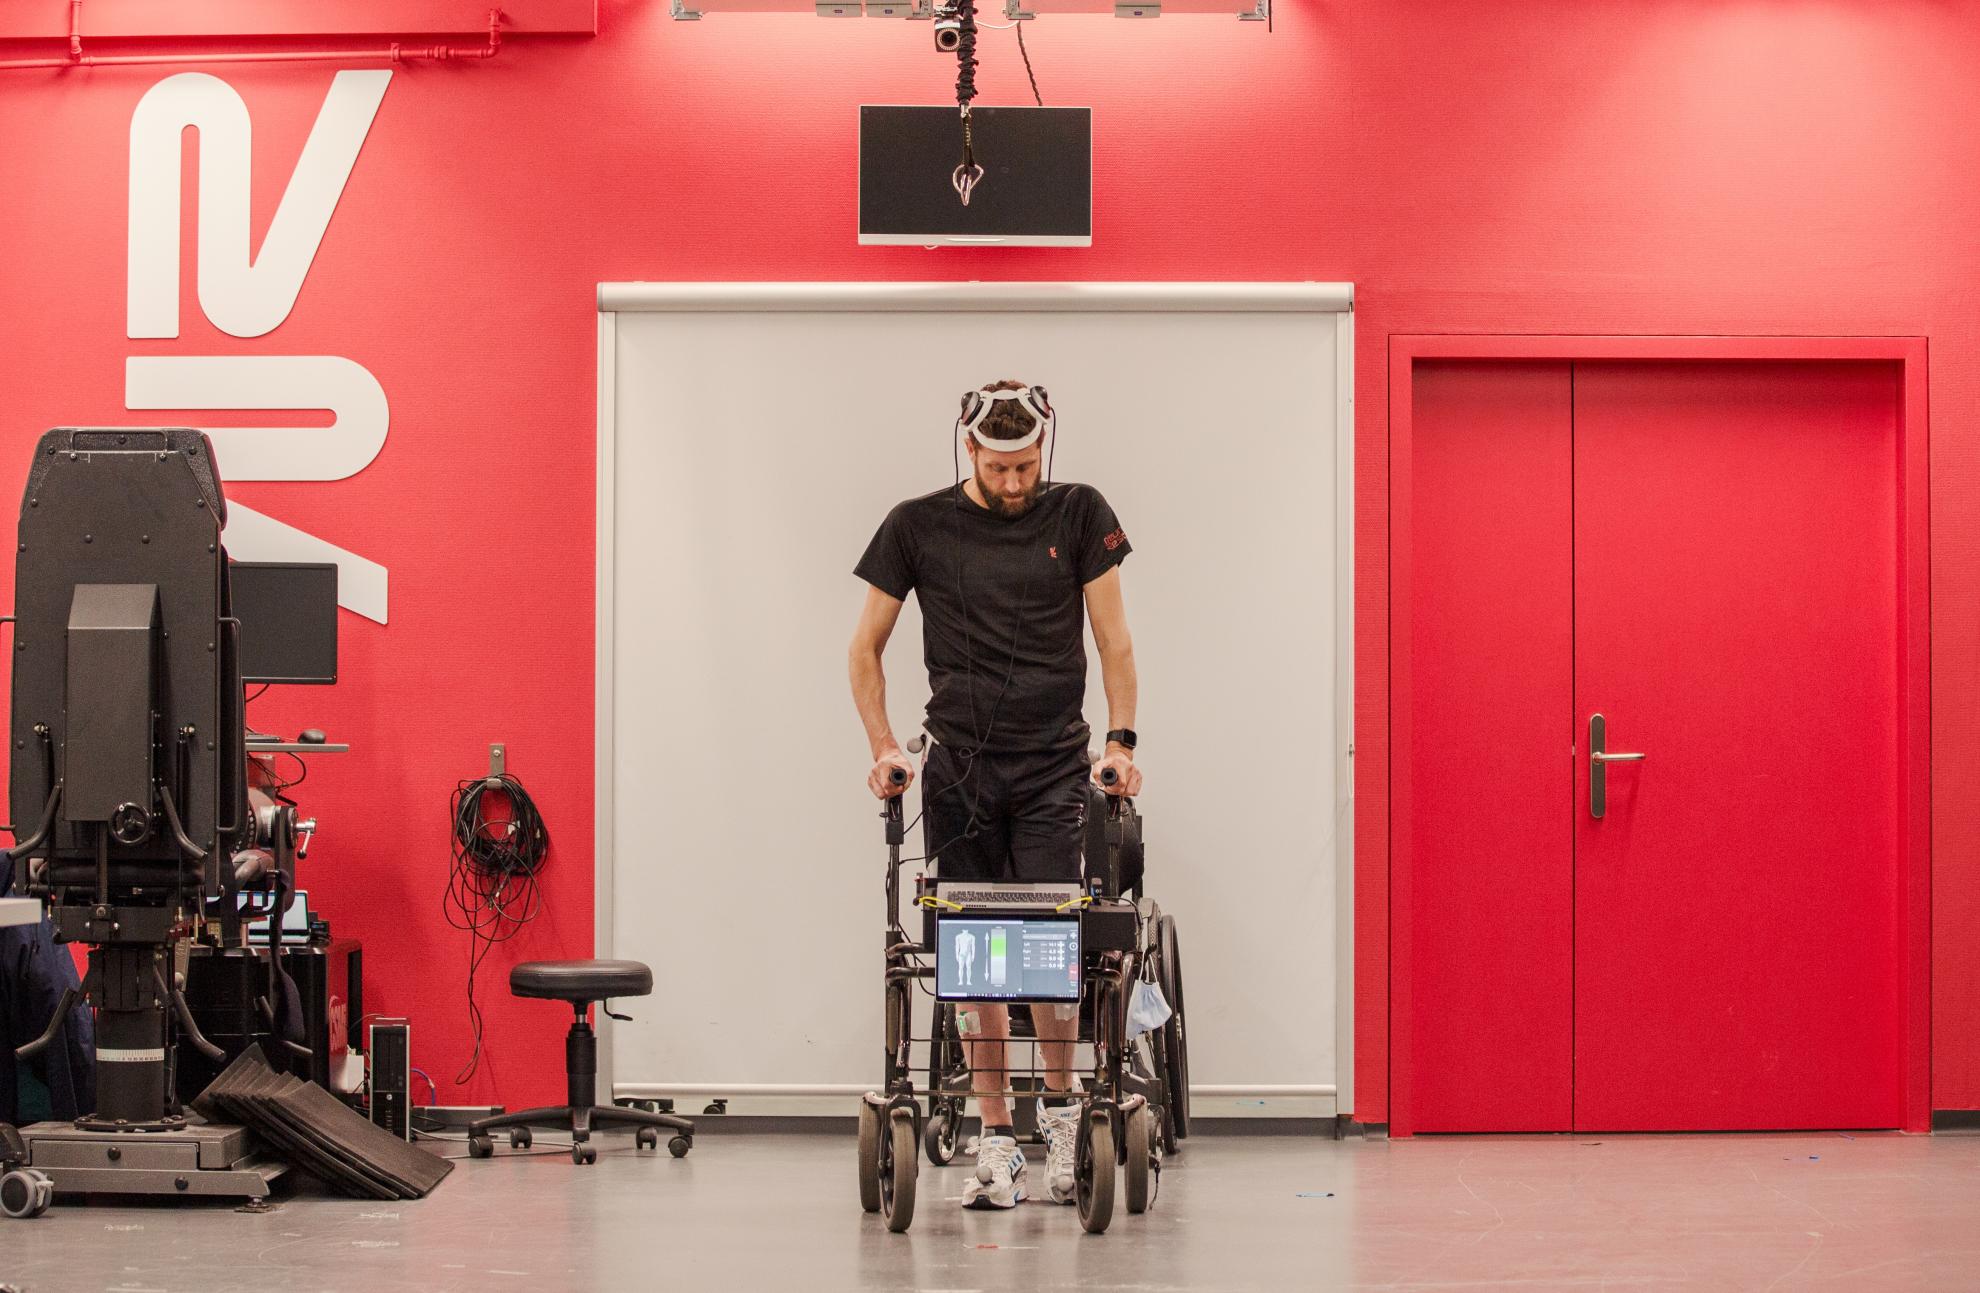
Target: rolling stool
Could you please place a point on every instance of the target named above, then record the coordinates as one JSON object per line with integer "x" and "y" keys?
{"x": 581, "y": 983}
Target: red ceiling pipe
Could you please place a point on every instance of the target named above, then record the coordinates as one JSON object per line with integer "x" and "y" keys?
{"x": 395, "y": 53}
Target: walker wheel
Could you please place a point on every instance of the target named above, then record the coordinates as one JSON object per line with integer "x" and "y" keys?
{"x": 25, "y": 1193}
{"x": 1144, "y": 1164}
{"x": 939, "y": 1139}
{"x": 646, "y": 1138}
{"x": 678, "y": 1146}
{"x": 481, "y": 1147}
{"x": 869, "y": 1157}
{"x": 899, "y": 1165}
{"x": 1093, "y": 1180}
{"x": 584, "y": 1153}
{"x": 520, "y": 1138}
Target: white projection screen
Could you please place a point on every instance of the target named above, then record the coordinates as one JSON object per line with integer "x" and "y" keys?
{"x": 751, "y": 438}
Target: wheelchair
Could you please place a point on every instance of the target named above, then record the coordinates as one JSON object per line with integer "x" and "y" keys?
{"x": 1135, "y": 1108}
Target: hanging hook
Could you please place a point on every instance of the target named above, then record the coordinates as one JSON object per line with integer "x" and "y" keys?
{"x": 966, "y": 176}
{"x": 965, "y": 180}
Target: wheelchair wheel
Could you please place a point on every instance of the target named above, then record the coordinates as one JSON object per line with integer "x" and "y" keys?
{"x": 1143, "y": 1169}
{"x": 1158, "y": 1060}
{"x": 899, "y": 1165}
{"x": 869, "y": 1157}
{"x": 1152, "y": 1049}
{"x": 1093, "y": 1179}
{"x": 1175, "y": 1041}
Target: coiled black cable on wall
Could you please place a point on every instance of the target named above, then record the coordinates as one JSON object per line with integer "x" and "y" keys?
{"x": 492, "y": 888}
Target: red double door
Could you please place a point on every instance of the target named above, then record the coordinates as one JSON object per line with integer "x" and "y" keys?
{"x": 1705, "y": 556}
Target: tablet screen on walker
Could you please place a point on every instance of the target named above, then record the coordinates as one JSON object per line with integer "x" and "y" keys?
{"x": 1007, "y": 959}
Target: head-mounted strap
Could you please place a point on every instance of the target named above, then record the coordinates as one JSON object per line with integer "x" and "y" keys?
{"x": 1009, "y": 446}
{"x": 1037, "y": 406}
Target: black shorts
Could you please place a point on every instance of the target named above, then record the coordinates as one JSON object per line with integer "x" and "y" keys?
{"x": 1005, "y": 816}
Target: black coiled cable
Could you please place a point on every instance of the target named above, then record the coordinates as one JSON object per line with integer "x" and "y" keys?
{"x": 492, "y": 889}
{"x": 966, "y": 53}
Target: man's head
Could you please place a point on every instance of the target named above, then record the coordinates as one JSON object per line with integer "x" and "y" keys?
{"x": 1009, "y": 480}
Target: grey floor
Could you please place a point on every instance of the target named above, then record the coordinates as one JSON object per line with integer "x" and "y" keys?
{"x": 756, "y": 1212}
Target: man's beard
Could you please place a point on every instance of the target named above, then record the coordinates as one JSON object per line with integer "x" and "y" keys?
{"x": 1009, "y": 509}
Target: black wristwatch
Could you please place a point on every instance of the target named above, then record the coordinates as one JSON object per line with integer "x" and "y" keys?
{"x": 1121, "y": 736}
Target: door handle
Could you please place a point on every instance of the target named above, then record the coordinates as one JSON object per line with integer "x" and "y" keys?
{"x": 1599, "y": 760}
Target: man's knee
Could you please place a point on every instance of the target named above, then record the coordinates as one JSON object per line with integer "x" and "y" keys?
{"x": 987, "y": 1023}
{"x": 1058, "y": 1023}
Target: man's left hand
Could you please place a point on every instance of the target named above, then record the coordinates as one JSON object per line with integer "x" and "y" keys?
{"x": 1123, "y": 763}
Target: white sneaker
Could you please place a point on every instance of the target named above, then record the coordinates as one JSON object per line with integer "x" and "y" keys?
{"x": 1061, "y": 1130}
{"x": 998, "y": 1181}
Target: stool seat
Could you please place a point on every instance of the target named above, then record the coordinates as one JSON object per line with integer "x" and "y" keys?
{"x": 577, "y": 981}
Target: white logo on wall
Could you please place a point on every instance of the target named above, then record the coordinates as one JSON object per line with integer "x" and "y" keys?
{"x": 248, "y": 296}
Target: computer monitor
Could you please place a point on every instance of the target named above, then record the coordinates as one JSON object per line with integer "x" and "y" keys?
{"x": 1023, "y": 958}
{"x": 295, "y": 920}
{"x": 288, "y": 615}
{"x": 295, "y": 917}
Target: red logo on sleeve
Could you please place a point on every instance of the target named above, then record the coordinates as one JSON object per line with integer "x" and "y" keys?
{"x": 1115, "y": 540}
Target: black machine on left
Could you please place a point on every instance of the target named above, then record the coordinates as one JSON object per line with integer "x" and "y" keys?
{"x": 129, "y": 792}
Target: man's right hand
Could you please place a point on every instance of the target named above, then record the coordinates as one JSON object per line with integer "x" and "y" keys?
{"x": 881, "y": 780}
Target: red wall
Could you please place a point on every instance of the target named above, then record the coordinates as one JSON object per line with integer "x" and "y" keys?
{"x": 1718, "y": 166}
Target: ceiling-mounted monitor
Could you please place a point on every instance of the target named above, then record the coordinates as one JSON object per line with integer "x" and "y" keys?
{"x": 288, "y": 615}
{"x": 1036, "y": 189}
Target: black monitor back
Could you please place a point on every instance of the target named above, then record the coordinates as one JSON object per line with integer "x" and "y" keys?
{"x": 288, "y": 615}
{"x": 1036, "y": 190}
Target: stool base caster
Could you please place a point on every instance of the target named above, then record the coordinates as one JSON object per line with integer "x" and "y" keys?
{"x": 481, "y": 1147}
{"x": 519, "y": 1138}
{"x": 25, "y": 1193}
{"x": 679, "y": 1146}
{"x": 584, "y": 1153}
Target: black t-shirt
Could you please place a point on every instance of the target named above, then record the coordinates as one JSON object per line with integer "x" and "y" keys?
{"x": 1000, "y": 597}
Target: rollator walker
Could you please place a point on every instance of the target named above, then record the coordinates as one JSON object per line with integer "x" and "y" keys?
{"x": 1135, "y": 1108}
